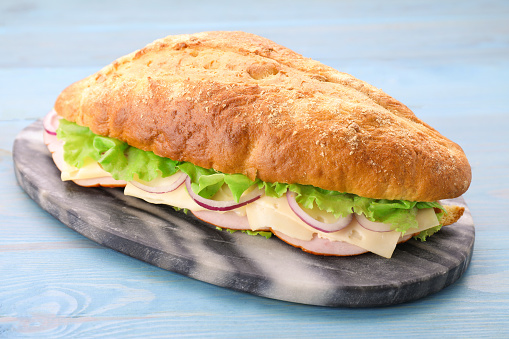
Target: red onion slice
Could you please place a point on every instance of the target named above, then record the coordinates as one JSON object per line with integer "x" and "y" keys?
{"x": 220, "y": 205}
{"x": 162, "y": 185}
{"x": 372, "y": 225}
{"x": 52, "y": 141}
{"x": 50, "y": 122}
{"x": 321, "y": 226}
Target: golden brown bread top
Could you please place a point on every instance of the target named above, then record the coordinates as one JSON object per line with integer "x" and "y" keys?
{"x": 240, "y": 103}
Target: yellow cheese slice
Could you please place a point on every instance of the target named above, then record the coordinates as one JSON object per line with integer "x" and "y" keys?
{"x": 177, "y": 198}
{"x": 90, "y": 170}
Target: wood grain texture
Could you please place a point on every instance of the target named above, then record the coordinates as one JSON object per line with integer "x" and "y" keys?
{"x": 446, "y": 60}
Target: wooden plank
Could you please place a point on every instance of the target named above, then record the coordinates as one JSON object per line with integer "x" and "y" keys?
{"x": 131, "y": 297}
{"x": 446, "y": 60}
{"x": 453, "y": 40}
{"x": 29, "y": 93}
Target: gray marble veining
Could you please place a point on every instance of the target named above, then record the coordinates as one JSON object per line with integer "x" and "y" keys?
{"x": 177, "y": 242}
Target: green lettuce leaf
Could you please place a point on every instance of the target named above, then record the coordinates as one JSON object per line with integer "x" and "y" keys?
{"x": 238, "y": 184}
{"x": 265, "y": 234}
{"x": 274, "y": 190}
{"x": 116, "y": 157}
{"x": 340, "y": 204}
{"x": 207, "y": 182}
{"x": 79, "y": 143}
{"x": 422, "y": 236}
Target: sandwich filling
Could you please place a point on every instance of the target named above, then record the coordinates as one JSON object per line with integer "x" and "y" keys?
{"x": 314, "y": 219}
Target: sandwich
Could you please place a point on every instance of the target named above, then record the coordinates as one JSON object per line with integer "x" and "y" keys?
{"x": 248, "y": 135}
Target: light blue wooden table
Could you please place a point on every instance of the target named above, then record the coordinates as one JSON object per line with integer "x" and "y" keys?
{"x": 447, "y": 60}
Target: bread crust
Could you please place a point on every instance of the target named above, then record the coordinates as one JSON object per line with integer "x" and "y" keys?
{"x": 240, "y": 103}
{"x": 453, "y": 214}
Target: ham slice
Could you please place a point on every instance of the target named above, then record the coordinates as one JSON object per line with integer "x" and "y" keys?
{"x": 322, "y": 246}
{"x": 229, "y": 220}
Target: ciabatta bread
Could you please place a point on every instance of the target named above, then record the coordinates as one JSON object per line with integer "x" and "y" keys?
{"x": 240, "y": 103}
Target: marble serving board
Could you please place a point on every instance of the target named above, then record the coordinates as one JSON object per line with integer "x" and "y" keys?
{"x": 177, "y": 242}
